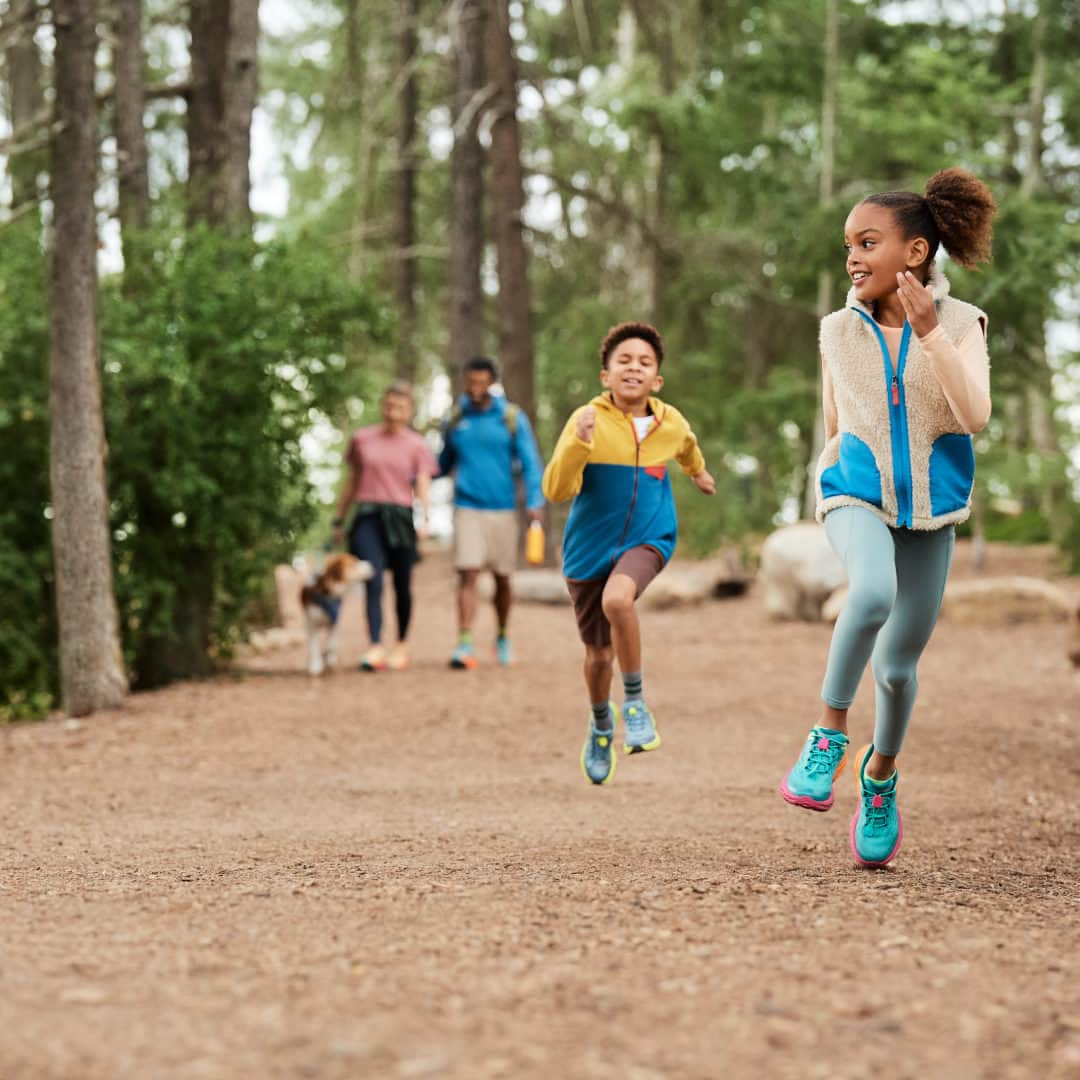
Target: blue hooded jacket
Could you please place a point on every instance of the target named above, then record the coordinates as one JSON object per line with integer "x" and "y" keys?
{"x": 485, "y": 458}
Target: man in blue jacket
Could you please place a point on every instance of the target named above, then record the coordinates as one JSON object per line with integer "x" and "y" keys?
{"x": 487, "y": 442}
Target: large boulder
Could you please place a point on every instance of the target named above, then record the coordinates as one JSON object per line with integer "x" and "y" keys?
{"x": 1001, "y": 601}
{"x": 799, "y": 572}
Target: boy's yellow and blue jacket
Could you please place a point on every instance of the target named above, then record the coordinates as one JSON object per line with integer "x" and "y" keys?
{"x": 622, "y": 488}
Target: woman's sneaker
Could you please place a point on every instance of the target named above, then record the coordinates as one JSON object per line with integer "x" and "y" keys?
{"x": 640, "y": 728}
{"x": 374, "y": 659}
{"x": 876, "y": 828}
{"x": 598, "y": 753}
{"x": 398, "y": 660}
{"x": 810, "y": 782}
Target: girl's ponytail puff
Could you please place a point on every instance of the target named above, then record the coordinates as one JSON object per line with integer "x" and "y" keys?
{"x": 963, "y": 210}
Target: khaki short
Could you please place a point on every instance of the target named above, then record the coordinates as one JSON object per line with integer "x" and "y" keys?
{"x": 486, "y": 540}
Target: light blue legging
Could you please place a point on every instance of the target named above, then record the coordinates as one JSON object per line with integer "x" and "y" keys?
{"x": 897, "y": 579}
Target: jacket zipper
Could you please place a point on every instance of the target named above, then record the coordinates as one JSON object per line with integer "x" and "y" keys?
{"x": 898, "y": 426}
{"x": 637, "y": 473}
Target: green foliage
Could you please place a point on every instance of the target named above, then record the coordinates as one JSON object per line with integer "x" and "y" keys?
{"x": 216, "y": 370}
{"x": 218, "y": 354}
{"x": 28, "y": 622}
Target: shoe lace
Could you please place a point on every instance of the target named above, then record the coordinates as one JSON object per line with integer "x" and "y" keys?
{"x": 877, "y": 808}
{"x": 823, "y": 754}
{"x": 636, "y": 718}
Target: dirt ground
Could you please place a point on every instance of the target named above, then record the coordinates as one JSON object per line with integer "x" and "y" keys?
{"x": 405, "y": 875}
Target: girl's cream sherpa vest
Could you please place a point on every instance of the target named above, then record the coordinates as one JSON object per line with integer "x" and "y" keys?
{"x": 898, "y": 450}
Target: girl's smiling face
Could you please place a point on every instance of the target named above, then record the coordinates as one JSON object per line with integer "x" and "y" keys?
{"x": 877, "y": 251}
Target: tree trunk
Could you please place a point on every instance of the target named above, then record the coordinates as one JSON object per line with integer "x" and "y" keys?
{"x": 508, "y": 203}
{"x": 224, "y": 84}
{"x": 241, "y": 92}
{"x": 405, "y": 229}
{"x": 466, "y": 183}
{"x": 25, "y": 98}
{"x": 129, "y": 103}
{"x": 826, "y": 183}
{"x": 91, "y": 669}
{"x": 206, "y": 110}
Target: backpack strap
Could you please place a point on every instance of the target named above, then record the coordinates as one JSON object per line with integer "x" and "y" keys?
{"x": 511, "y": 412}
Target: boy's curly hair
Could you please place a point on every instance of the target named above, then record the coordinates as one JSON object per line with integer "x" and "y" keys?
{"x": 623, "y": 332}
{"x": 957, "y": 211}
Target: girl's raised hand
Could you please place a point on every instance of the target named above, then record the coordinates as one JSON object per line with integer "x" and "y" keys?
{"x": 918, "y": 303}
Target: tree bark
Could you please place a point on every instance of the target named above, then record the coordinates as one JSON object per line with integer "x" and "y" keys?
{"x": 508, "y": 204}
{"x": 466, "y": 183}
{"x": 129, "y": 104}
{"x": 206, "y": 110}
{"x": 241, "y": 93}
{"x": 91, "y": 668}
{"x": 25, "y": 99}
{"x": 405, "y": 227}
{"x": 224, "y": 84}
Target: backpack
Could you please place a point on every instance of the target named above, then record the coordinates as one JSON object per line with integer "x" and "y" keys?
{"x": 511, "y": 412}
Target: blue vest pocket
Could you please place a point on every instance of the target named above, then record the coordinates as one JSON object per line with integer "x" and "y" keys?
{"x": 952, "y": 473}
{"x": 855, "y": 474}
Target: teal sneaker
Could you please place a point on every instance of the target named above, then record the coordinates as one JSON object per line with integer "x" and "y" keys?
{"x": 810, "y": 782}
{"x": 640, "y": 728}
{"x": 504, "y": 655}
{"x": 463, "y": 658}
{"x": 598, "y": 753}
{"x": 876, "y": 828}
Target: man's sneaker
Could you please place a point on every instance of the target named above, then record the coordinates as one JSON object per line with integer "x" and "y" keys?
{"x": 876, "y": 828}
{"x": 639, "y": 728}
{"x": 503, "y": 653}
{"x": 598, "y": 753}
{"x": 398, "y": 660}
{"x": 810, "y": 782}
{"x": 463, "y": 658}
{"x": 374, "y": 659}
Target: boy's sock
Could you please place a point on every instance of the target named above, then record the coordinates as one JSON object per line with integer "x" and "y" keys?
{"x": 502, "y": 631}
{"x": 465, "y": 637}
{"x": 631, "y": 682}
{"x": 879, "y": 785}
{"x": 601, "y": 713}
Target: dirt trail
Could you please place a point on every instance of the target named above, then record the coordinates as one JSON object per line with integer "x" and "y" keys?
{"x": 405, "y": 876}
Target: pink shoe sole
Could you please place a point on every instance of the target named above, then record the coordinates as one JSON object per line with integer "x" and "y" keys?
{"x": 888, "y": 858}
{"x": 805, "y": 801}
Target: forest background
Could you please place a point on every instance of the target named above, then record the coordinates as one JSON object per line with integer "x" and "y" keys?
{"x": 438, "y": 179}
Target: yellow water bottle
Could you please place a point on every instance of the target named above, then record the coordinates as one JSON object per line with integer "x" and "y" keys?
{"x": 534, "y": 543}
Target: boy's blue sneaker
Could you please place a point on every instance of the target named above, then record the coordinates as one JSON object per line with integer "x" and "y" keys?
{"x": 598, "y": 753}
{"x": 503, "y": 653}
{"x": 876, "y": 828}
{"x": 640, "y": 728}
{"x": 810, "y": 782}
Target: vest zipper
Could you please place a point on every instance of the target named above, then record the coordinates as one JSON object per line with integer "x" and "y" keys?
{"x": 898, "y": 421}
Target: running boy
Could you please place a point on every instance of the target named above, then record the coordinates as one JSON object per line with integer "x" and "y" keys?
{"x": 613, "y": 456}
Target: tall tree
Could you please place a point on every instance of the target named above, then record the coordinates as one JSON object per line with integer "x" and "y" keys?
{"x": 508, "y": 203}
{"x": 25, "y": 99}
{"x": 129, "y": 105}
{"x": 224, "y": 84}
{"x": 405, "y": 225}
{"x": 467, "y": 182}
{"x": 91, "y": 670}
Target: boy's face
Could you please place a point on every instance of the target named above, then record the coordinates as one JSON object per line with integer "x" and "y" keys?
{"x": 632, "y": 372}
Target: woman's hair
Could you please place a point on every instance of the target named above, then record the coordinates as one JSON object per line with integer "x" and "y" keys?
{"x": 627, "y": 330}
{"x": 399, "y": 388}
{"x": 957, "y": 212}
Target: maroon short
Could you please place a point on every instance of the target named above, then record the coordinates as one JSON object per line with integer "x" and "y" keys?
{"x": 641, "y": 564}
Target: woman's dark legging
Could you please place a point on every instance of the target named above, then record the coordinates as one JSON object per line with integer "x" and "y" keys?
{"x": 368, "y": 542}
